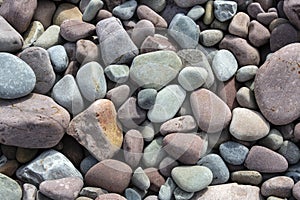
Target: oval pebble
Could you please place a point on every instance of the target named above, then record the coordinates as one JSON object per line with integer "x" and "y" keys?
{"x": 273, "y": 140}
{"x": 224, "y": 10}
{"x": 290, "y": 151}
{"x": 191, "y": 78}
{"x": 117, "y": 73}
{"x": 247, "y": 177}
{"x": 181, "y": 124}
{"x": 233, "y": 152}
{"x": 246, "y": 73}
{"x": 131, "y": 194}
{"x": 91, "y": 10}
{"x": 126, "y": 10}
{"x": 58, "y": 57}
{"x": 210, "y": 37}
{"x": 140, "y": 179}
{"x": 146, "y": 98}
{"x": 279, "y": 186}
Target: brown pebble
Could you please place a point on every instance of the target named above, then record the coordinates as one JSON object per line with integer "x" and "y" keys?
{"x": 144, "y": 12}
{"x": 73, "y": 30}
{"x": 44, "y": 12}
{"x": 259, "y": 35}
{"x": 9, "y": 168}
{"x": 239, "y": 25}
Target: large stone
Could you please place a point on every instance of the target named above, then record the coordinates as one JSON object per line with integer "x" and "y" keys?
{"x": 97, "y": 130}
{"x": 155, "y": 69}
{"x": 9, "y": 188}
{"x": 10, "y": 39}
{"x": 277, "y": 79}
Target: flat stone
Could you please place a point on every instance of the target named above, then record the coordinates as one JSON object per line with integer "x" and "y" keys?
{"x": 156, "y": 5}
{"x": 184, "y": 31}
{"x": 66, "y": 11}
{"x": 290, "y": 8}
{"x": 66, "y": 93}
{"x": 126, "y": 10}
{"x": 141, "y": 31}
{"x": 133, "y": 146}
{"x": 156, "y": 179}
{"x": 144, "y": 12}
{"x": 167, "y": 103}
{"x": 233, "y": 153}
{"x": 35, "y": 30}
{"x": 224, "y": 10}
{"x": 192, "y": 178}
{"x": 265, "y": 160}
{"x": 44, "y": 12}
{"x": 211, "y": 37}
{"x": 91, "y": 10}
{"x": 10, "y": 39}
{"x": 58, "y": 57}
{"x": 91, "y": 81}
{"x": 230, "y": 191}
{"x": 180, "y": 124}
{"x": 217, "y": 166}
{"x": 196, "y": 12}
{"x": 117, "y": 73}
{"x": 259, "y": 35}
{"x": 246, "y": 99}
{"x": 257, "y": 127}
{"x": 29, "y": 192}
{"x": 247, "y": 177}
{"x": 211, "y": 113}
{"x": 9, "y": 188}
{"x": 280, "y": 186}
{"x": 100, "y": 135}
{"x": 166, "y": 190}
{"x": 73, "y": 30}
{"x": 47, "y": 166}
{"x": 282, "y": 35}
{"x": 290, "y": 151}
{"x": 184, "y": 147}
{"x": 17, "y": 79}
{"x": 246, "y": 73}
{"x": 118, "y": 95}
{"x": 146, "y": 98}
{"x": 239, "y": 25}
{"x": 191, "y": 78}
{"x": 277, "y": 79}
{"x": 110, "y": 31}
{"x": 65, "y": 188}
{"x": 110, "y": 196}
{"x": 49, "y": 38}
{"x": 140, "y": 179}
{"x": 154, "y": 153}
{"x": 111, "y": 175}
{"x": 18, "y": 14}
{"x": 242, "y": 50}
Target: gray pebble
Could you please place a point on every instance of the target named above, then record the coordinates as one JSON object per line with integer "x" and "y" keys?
{"x": 167, "y": 189}
{"x": 10, "y": 39}
{"x": 224, "y": 10}
{"x": 117, "y": 73}
{"x": 147, "y": 131}
{"x": 9, "y": 188}
{"x": 91, "y": 10}
{"x": 118, "y": 95}
{"x": 180, "y": 194}
{"x": 166, "y": 166}
{"x": 146, "y": 98}
{"x": 87, "y": 163}
{"x": 245, "y": 98}
{"x": 273, "y": 140}
{"x": 131, "y": 194}
{"x": 196, "y": 12}
{"x": 191, "y": 78}
{"x": 154, "y": 153}
{"x": 59, "y": 58}
{"x": 290, "y": 151}
{"x": 246, "y": 73}
{"x": 126, "y": 10}
{"x": 140, "y": 179}
{"x": 211, "y": 37}
{"x": 156, "y": 5}
{"x": 233, "y": 152}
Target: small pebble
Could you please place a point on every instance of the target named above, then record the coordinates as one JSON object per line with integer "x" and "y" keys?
{"x": 211, "y": 37}
{"x": 58, "y": 57}
{"x": 224, "y": 10}
{"x": 247, "y": 177}
{"x": 126, "y": 10}
{"x": 191, "y": 78}
{"x": 131, "y": 194}
{"x": 233, "y": 152}
{"x": 91, "y": 10}
{"x": 246, "y": 99}
{"x": 246, "y": 73}
{"x": 196, "y": 12}
{"x": 279, "y": 186}
{"x": 140, "y": 179}
{"x": 290, "y": 151}
{"x": 180, "y": 194}
{"x": 146, "y": 98}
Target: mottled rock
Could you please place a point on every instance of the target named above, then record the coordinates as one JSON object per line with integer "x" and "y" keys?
{"x": 141, "y": 31}
{"x": 29, "y": 192}
{"x": 35, "y": 30}
{"x": 126, "y": 10}
{"x": 146, "y": 98}
{"x": 9, "y": 188}
{"x": 156, "y": 43}
{"x": 211, "y": 37}
{"x": 117, "y": 73}
{"x": 87, "y": 51}
{"x": 58, "y": 57}
{"x": 180, "y": 124}
{"x": 196, "y": 12}
{"x": 10, "y": 39}
{"x": 156, "y": 180}
{"x": 233, "y": 152}
{"x": 156, "y": 5}
{"x": 224, "y": 10}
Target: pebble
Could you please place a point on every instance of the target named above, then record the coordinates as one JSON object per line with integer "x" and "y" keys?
{"x": 277, "y": 76}
{"x": 224, "y": 10}
{"x": 279, "y": 186}
{"x": 29, "y": 192}
{"x": 87, "y": 163}
{"x": 187, "y": 4}
{"x": 282, "y": 35}
{"x": 36, "y": 57}
{"x": 247, "y": 177}
{"x": 246, "y": 73}
{"x": 66, "y": 11}
{"x": 133, "y": 146}
{"x": 217, "y": 166}
{"x": 91, "y": 81}
{"x": 290, "y": 10}
{"x": 182, "y": 124}
{"x": 10, "y": 39}
{"x": 192, "y": 178}
{"x": 9, "y": 168}
{"x": 254, "y": 9}
{"x": 259, "y": 35}
{"x": 111, "y": 175}
{"x": 131, "y": 194}
{"x": 24, "y": 155}
{"x": 184, "y": 147}
{"x": 49, "y": 165}
{"x": 140, "y": 179}
{"x": 73, "y": 30}
{"x": 166, "y": 166}
{"x": 146, "y": 98}
{"x": 196, "y": 12}
{"x": 257, "y": 127}
{"x": 210, "y": 112}
{"x": 156, "y": 43}
{"x": 144, "y": 12}
{"x": 290, "y": 151}
{"x": 246, "y": 99}
{"x": 117, "y": 73}
{"x": 126, "y": 10}
{"x": 233, "y": 153}
{"x": 211, "y": 37}
{"x": 239, "y": 25}
{"x": 110, "y": 196}
{"x": 191, "y": 78}
{"x": 18, "y": 14}
{"x": 273, "y": 140}
{"x": 110, "y": 31}
{"x": 9, "y": 188}
{"x": 92, "y": 192}
{"x": 297, "y": 131}
{"x": 87, "y": 51}
{"x": 105, "y": 137}
{"x": 296, "y": 190}
{"x": 118, "y": 95}
{"x": 9, "y": 153}
{"x": 49, "y": 38}
{"x": 65, "y": 188}
{"x": 265, "y": 160}
{"x": 166, "y": 190}
{"x": 229, "y": 191}
{"x": 44, "y": 12}
{"x": 180, "y": 194}
{"x": 141, "y": 31}
{"x": 147, "y": 130}
{"x": 154, "y": 153}
{"x": 167, "y": 103}
{"x": 35, "y": 30}
{"x": 267, "y": 18}
{"x": 242, "y": 50}
{"x": 66, "y": 93}
{"x": 156, "y": 179}
{"x": 209, "y": 13}
{"x": 58, "y": 57}
{"x": 224, "y": 65}
{"x": 184, "y": 31}
{"x": 91, "y": 10}
{"x": 155, "y": 69}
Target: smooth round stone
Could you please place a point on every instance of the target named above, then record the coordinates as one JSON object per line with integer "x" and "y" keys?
{"x": 156, "y": 179}
{"x": 35, "y": 30}
{"x": 296, "y": 190}
{"x": 290, "y": 151}
{"x": 254, "y": 9}
{"x": 239, "y": 25}
{"x": 66, "y": 11}
{"x": 245, "y": 98}
{"x": 126, "y": 10}
{"x": 182, "y": 124}
{"x": 246, "y": 73}
{"x": 17, "y": 79}
{"x": 217, "y": 166}
{"x": 87, "y": 163}
{"x": 140, "y": 179}
{"x": 290, "y": 10}
{"x": 131, "y": 194}
{"x": 191, "y": 78}
{"x": 273, "y": 140}
{"x": 141, "y": 31}
{"x": 166, "y": 190}
{"x": 133, "y": 146}
{"x": 87, "y": 51}
{"x": 9, "y": 188}
{"x": 259, "y": 35}
{"x": 146, "y": 98}
{"x": 184, "y": 31}
{"x": 276, "y": 79}
{"x": 233, "y": 152}
{"x": 117, "y": 73}
{"x": 144, "y": 12}
{"x": 91, "y": 81}
{"x": 91, "y": 10}
{"x": 280, "y": 186}
{"x": 224, "y": 10}
{"x": 247, "y": 177}
{"x": 59, "y": 58}
{"x": 211, "y": 37}
{"x": 49, "y": 38}
{"x": 265, "y": 160}
{"x": 192, "y": 178}
{"x": 154, "y": 153}
{"x": 73, "y": 30}
{"x": 118, "y": 95}
{"x": 257, "y": 127}
{"x": 180, "y": 194}
{"x": 224, "y": 65}
{"x": 196, "y": 12}
{"x": 147, "y": 130}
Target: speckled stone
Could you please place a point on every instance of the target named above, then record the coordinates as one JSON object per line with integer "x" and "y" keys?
{"x": 180, "y": 124}
{"x": 191, "y": 78}
{"x": 49, "y": 38}
{"x": 133, "y": 146}
{"x": 58, "y": 57}
{"x": 239, "y": 25}
{"x": 233, "y": 152}
{"x": 211, "y": 37}
{"x": 246, "y": 73}
{"x": 224, "y": 10}
{"x": 9, "y": 188}
{"x": 126, "y": 10}
{"x": 117, "y": 73}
